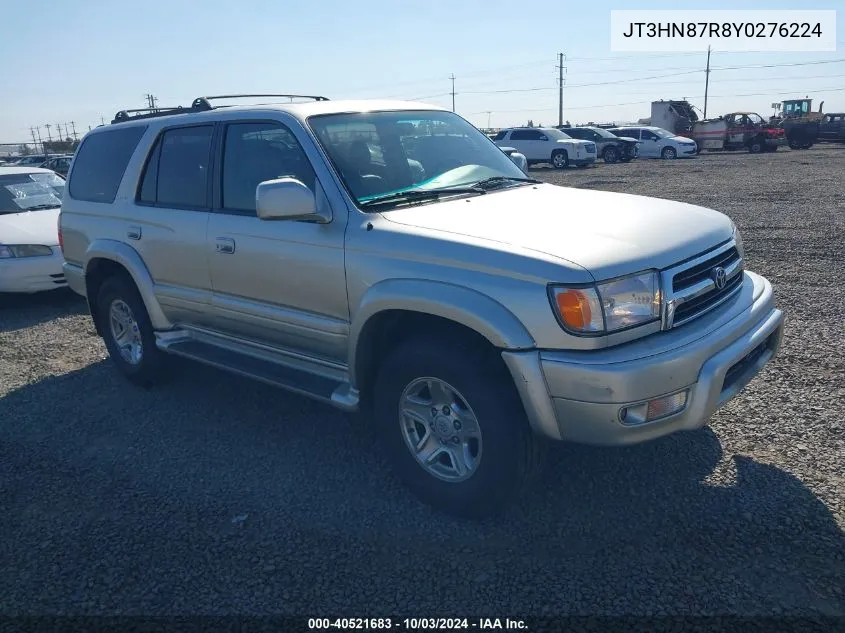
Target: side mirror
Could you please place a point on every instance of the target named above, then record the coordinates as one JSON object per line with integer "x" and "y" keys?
{"x": 287, "y": 199}
{"x": 520, "y": 161}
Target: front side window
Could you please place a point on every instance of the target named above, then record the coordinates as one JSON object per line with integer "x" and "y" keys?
{"x": 176, "y": 174}
{"x": 380, "y": 153}
{"x": 648, "y": 135}
{"x": 255, "y": 152}
{"x": 30, "y": 192}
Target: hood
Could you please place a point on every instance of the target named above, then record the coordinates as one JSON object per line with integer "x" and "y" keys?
{"x": 625, "y": 139}
{"x": 30, "y": 227}
{"x": 576, "y": 141}
{"x": 682, "y": 139}
{"x": 609, "y": 234}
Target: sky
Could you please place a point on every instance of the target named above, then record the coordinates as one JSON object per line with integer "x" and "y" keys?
{"x": 81, "y": 60}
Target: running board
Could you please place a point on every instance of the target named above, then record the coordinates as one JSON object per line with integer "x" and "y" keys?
{"x": 336, "y": 392}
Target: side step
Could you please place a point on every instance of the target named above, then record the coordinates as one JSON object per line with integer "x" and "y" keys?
{"x": 335, "y": 392}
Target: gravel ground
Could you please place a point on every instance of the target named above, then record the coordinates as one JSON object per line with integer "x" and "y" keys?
{"x": 215, "y": 495}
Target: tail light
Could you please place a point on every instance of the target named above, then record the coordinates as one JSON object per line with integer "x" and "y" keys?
{"x": 59, "y": 226}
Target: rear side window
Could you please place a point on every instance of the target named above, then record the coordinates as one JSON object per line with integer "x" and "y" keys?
{"x": 101, "y": 162}
{"x": 177, "y": 171}
{"x": 526, "y": 135}
{"x": 500, "y": 135}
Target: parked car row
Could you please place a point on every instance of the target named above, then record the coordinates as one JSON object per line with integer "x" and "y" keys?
{"x": 58, "y": 163}
{"x": 582, "y": 146}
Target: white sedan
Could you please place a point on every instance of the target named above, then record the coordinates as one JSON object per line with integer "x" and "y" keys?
{"x": 30, "y": 257}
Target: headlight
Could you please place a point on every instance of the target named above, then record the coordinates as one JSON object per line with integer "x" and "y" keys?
{"x": 740, "y": 247}
{"x": 610, "y": 306}
{"x": 8, "y": 251}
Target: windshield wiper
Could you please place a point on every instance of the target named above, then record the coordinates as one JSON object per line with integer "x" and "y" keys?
{"x": 490, "y": 183}
{"x": 39, "y": 207}
{"x": 420, "y": 194}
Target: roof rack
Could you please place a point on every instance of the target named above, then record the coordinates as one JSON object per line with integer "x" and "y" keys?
{"x": 200, "y": 104}
{"x": 149, "y": 113}
{"x": 205, "y": 102}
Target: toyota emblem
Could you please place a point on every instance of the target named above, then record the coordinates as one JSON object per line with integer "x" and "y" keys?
{"x": 720, "y": 277}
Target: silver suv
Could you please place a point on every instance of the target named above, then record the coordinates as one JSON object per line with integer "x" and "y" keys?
{"x": 387, "y": 257}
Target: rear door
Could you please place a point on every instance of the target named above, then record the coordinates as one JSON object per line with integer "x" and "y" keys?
{"x": 168, "y": 225}
{"x": 830, "y": 127}
{"x": 519, "y": 140}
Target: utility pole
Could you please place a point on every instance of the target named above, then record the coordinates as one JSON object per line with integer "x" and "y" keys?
{"x": 706, "y": 81}
{"x": 561, "y": 68}
{"x": 49, "y": 136}
{"x": 73, "y": 125}
{"x": 152, "y": 100}
{"x": 102, "y": 122}
{"x": 488, "y": 118}
{"x": 38, "y": 132}
{"x": 59, "y": 128}
{"x": 452, "y": 77}
{"x": 34, "y": 142}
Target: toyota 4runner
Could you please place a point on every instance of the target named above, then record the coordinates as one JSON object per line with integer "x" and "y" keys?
{"x": 387, "y": 257}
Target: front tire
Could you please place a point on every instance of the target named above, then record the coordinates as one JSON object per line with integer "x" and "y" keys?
{"x": 127, "y": 330}
{"x": 560, "y": 159}
{"x": 755, "y": 146}
{"x": 669, "y": 153}
{"x": 611, "y": 155}
{"x": 453, "y": 426}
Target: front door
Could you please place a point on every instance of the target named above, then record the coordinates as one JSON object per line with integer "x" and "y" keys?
{"x": 280, "y": 282}
{"x": 649, "y": 144}
{"x": 530, "y": 143}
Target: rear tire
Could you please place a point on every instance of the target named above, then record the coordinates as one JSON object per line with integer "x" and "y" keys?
{"x": 409, "y": 407}
{"x": 560, "y": 159}
{"x": 127, "y": 330}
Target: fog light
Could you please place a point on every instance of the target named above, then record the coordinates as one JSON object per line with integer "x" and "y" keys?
{"x": 653, "y": 409}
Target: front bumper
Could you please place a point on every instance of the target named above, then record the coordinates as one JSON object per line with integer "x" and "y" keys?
{"x": 688, "y": 151}
{"x": 577, "y": 396}
{"x": 32, "y": 274}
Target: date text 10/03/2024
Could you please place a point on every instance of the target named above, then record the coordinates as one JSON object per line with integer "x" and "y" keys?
{"x": 417, "y": 624}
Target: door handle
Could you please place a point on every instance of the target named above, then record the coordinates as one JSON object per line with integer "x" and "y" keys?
{"x": 133, "y": 232}
{"x": 225, "y": 245}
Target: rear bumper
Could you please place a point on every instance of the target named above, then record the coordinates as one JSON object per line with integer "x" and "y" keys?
{"x": 32, "y": 274}
{"x": 75, "y": 276}
{"x": 777, "y": 142}
{"x": 579, "y": 396}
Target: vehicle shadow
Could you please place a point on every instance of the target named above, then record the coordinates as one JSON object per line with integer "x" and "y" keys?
{"x": 19, "y": 311}
{"x": 211, "y": 483}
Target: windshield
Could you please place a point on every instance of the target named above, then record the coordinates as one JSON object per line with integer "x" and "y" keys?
{"x": 603, "y": 133}
{"x": 755, "y": 118}
{"x": 380, "y": 153}
{"x": 556, "y": 134}
{"x": 662, "y": 133}
{"x": 29, "y": 191}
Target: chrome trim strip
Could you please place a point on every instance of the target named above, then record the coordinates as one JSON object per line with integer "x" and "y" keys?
{"x": 672, "y": 300}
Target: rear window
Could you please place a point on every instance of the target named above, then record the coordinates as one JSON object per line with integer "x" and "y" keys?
{"x": 101, "y": 162}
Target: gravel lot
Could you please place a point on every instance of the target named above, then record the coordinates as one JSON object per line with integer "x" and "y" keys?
{"x": 215, "y": 495}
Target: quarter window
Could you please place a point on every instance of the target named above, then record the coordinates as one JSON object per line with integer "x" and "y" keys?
{"x": 101, "y": 162}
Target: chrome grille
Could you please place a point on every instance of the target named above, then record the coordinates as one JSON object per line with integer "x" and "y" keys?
{"x": 694, "y": 291}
